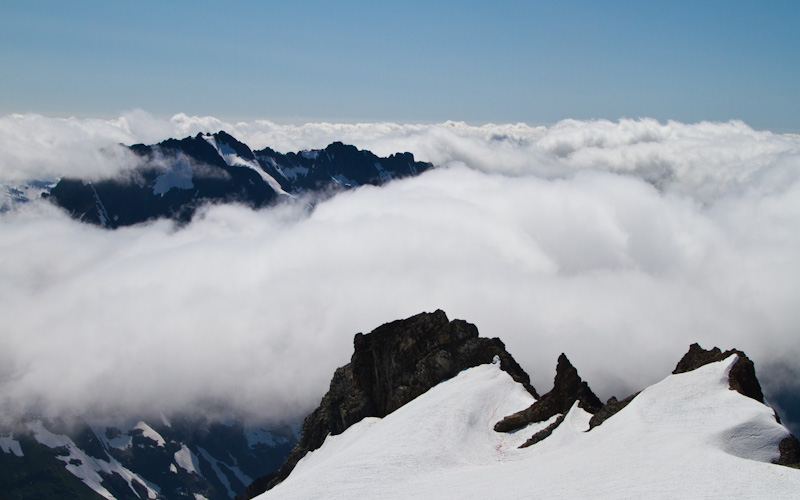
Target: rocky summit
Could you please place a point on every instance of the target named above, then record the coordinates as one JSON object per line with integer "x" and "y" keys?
{"x": 391, "y": 366}
{"x": 742, "y": 377}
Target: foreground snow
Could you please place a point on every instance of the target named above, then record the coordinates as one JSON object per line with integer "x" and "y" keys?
{"x": 688, "y": 436}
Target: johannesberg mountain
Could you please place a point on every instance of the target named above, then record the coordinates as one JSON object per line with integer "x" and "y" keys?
{"x": 427, "y": 408}
{"x": 175, "y": 177}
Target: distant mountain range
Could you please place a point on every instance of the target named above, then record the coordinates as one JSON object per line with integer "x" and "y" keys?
{"x": 427, "y": 408}
{"x": 175, "y": 177}
{"x": 132, "y": 458}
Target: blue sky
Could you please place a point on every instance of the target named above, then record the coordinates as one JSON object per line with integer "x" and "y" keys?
{"x": 502, "y": 61}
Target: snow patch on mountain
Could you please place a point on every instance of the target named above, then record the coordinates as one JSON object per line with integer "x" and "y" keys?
{"x": 217, "y": 465}
{"x": 88, "y": 468}
{"x": 149, "y": 433}
{"x": 260, "y": 435}
{"x": 343, "y": 180}
{"x": 220, "y": 475}
{"x": 187, "y": 460}
{"x": 382, "y": 172}
{"x": 179, "y": 176}
{"x": 232, "y": 159}
{"x": 291, "y": 172}
{"x": 9, "y": 445}
{"x": 112, "y": 439}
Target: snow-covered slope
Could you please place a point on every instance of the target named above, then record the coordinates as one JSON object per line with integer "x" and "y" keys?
{"x": 688, "y": 436}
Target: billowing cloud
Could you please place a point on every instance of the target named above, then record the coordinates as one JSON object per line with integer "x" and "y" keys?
{"x": 617, "y": 243}
{"x": 703, "y": 160}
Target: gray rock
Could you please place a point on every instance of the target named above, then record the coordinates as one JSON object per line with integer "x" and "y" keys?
{"x": 742, "y": 377}
{"x": 567, "y": 388}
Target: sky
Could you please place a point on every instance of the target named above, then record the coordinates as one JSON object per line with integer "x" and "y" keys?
{"x": 407, "y": 62}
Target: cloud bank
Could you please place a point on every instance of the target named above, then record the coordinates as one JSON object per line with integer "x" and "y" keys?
{"x": 617, "y": 243}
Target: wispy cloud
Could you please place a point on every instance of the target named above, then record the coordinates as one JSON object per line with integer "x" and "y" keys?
{"x": 617, "y": 243}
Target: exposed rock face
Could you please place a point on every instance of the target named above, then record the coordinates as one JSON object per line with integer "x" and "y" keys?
{"x": 611, "y": 407}
{"x": 390, "y": 366}
{"x": 567, "y": 388}
{"x": 742, "y": 377}
{"x": 544, "y": 433}
{"x": 790, "y": 452}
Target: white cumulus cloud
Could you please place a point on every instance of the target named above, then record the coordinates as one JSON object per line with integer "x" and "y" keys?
{"x": 619, "y": 243}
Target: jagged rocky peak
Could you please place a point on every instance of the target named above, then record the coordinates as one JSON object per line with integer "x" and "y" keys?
{"x": 176, "y": 177}
{"x": 389, "y": 367}
{"x": 400, "y": 360}
{"x": 567, "y": 388}
{"x": 237, "y": 146}
{"x": 742, "y": 377}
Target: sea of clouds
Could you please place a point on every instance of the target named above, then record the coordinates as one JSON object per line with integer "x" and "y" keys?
{"x": 618, "y": 243}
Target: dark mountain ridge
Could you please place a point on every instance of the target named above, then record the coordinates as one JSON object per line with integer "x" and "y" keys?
{"x": 177, "y": 176}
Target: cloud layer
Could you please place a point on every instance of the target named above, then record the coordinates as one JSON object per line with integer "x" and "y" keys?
{"x": 617, "y": 243}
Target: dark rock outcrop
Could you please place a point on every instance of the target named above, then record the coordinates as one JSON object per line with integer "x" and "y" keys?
{"x": 567, "y": 388}
{"x": 611, "y": 407}
{"x": 390, "y": 366}
{"x": 544, "y": 433}
{"x": 742, "y": 377}
{"x": 338, "y": 165}
{"x": 789, "y": 449}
